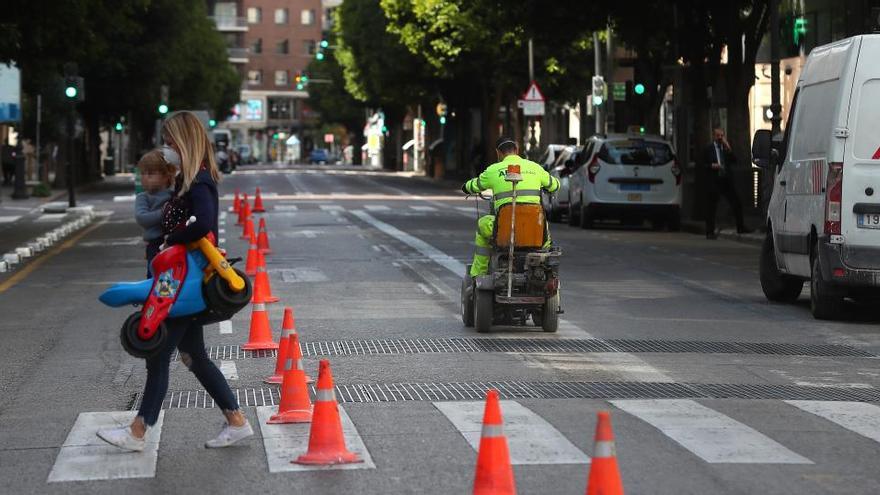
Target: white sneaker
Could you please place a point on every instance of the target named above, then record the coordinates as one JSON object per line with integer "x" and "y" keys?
{"x": 229, "y": 435}
{"x": 122, "y": 438}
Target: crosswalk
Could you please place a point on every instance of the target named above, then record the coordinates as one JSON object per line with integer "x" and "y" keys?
{"x": 694, "y": 428}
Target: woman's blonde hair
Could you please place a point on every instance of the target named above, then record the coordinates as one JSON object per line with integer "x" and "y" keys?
{"x": 191, "y": 139}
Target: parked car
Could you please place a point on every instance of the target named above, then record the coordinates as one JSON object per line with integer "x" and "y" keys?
{"x": 823, "y": 219}
{"x": 556, "y": 204}
{"x": 629, "y": 177}
{"x": 548, "y": 157}
{"x": 319, "y": 156}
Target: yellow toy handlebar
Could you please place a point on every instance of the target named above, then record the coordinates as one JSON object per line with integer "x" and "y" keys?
{"x": 219, "y": 264}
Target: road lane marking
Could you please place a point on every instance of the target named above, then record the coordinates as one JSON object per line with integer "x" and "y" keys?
{"x": 226, "y": 327}
{"x": 425, "y": 289}
{"x": 302, "y": 274}
{"x": 376, "y": 207}
{"x": 284, "y": 443}
{"x": 531, "y": 439}
{"x": 331, "y": 207}
{"x": 9, "y": 218}
{"x": 230, "y": 372}
{"x": 858, "y": 417}
{"x": 50, "y": 217}
{"x": 84, "y": 456}
{"x": 423, "y": 208}
{"x": 708, "y": 434}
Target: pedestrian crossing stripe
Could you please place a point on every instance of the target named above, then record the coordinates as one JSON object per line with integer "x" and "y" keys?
{"x": 84, "y": 456}
{"x": 9, "y": 218}
{"x": 376, "y": 207}
{"x": 423, "y": 208}
{"x": 285, "y": 442}
{"x": 859, "y": 417}
{"x": 331, "y": 207}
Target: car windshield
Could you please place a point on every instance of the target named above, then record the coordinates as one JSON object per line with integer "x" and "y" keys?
{"x": 635, "y": 152}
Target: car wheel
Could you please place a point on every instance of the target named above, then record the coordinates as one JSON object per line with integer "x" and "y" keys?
{"x": 777, "y": 286}
{"x": 586, "y": 218}
{"x": 825, "y": 303}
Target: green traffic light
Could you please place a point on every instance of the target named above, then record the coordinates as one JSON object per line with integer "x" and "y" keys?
{"x": 163, "y": 109}
{"x": 300, "y": 86}
{"x": 639, "y": 89}
{"x": 320, "y": 56}
{"x": 597, "y": 100}
{"x": 443, "y": 120}
{"x": 799, "y": 30}
{"x": 70, "y": 91}
{"x": 119, "y": 127}
{"x": 212, "y": 123}
{"x": 275, "y": 136}
{"x": 384, "y": 129}
{"x": 325, "y": 43}
{"x": 641, "y": 130}
{"x": 304, "y": 78}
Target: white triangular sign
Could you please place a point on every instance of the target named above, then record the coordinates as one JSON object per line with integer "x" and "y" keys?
{"x": 533, "y": 93}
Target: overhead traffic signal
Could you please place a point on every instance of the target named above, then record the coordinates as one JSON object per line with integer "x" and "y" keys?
{"x": 74, "y": 88}
{"x": 598, "y": 90}
{"x": 325, "y": 44}
{"x": 163, "y": 100}
{"x": 639, "y": 88}
{"x": 163, "y": 108}
{"x": 118, "y": 127}
{"x": 319, "y": 56}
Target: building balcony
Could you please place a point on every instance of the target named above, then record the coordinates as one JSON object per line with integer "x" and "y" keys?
{"x": 230, "y": 23}
{"x": 238, "y": 55}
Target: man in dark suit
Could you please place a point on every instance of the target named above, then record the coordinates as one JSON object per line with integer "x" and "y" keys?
{"x": 718, "y": 161}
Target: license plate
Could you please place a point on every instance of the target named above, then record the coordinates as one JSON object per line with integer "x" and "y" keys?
{"x": 869, "y": 221}
{"x": 638, "y": 197}
{"x": 635, "y": 187}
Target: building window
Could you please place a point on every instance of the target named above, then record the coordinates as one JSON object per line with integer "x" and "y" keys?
{"x": 281, "y": 108}
{"x": 255, "y": 15}
{"x": 280, "y": 78}
{"x": 280, "y": 16}
{"x": 255, "y": 77}
{"x": 283, "y": 47}
{"x": 310, "y": 47}
{"x": 257, "y": 46}
{"x": 307, "y": 17}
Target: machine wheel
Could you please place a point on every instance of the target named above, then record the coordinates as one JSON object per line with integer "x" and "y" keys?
{"x": 825, "y": 304}
{"x": 220, "y": 297}
{"x": 586, "y": 219}
{"x": 133, "y": 344}
{"x": 483, "y": 302}
{"x": 550, "y": 316}
{"x": 467, "y": 301}
{"x": 777, "y": 286}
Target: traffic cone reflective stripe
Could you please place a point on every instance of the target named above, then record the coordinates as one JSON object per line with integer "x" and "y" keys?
{"x": 253, "y": 259}
{"x": 295, "y": 405}
{"x": 494, "y": 473}
{"x": 604, "y": 473}
{"x": 260, "y": 336}
{"x": 326, "y": 440}
{"x": 263, "y": 238}
{"x": 258, "y": 202}
{"x": 288, "y": 328}
{"x": 236, "y": 202}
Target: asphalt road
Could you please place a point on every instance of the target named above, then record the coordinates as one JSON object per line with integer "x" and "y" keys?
{"x": 711, "y": 388}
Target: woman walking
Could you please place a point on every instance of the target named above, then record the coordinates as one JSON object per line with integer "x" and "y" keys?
{"x": 195, "y": 194}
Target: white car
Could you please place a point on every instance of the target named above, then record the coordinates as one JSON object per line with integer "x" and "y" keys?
{"x": 629, "y": 177}
{"x": 557, "y": 203}
{"x": 823, "y": 220}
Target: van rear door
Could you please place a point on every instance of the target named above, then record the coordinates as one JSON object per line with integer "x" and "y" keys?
{"x": 860, "y": 205}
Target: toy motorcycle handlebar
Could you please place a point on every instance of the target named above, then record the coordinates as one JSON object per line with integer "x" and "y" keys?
{"x": 216, "y": 260}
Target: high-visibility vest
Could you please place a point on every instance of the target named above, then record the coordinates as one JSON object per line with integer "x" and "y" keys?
{"x": 528, "y": 191}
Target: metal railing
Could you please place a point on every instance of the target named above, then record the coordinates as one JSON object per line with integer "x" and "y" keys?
{"x": 237, "y": 52}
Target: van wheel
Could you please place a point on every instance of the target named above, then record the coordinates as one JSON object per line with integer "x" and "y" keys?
{"x": 572, "y": 218}
{"x": 586, "y": 218}
{"x": 825, "y": 303}
{"x": 777, "y": 286}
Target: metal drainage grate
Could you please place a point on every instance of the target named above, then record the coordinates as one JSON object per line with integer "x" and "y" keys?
{"x": 400, "y": 392}
{"x": 232, "y": 352}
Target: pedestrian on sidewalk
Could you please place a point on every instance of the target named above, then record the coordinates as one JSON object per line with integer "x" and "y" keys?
{"x": 157, "y": 177}
{"x": 718, "y": 161}
{"x": 195, "y": 194}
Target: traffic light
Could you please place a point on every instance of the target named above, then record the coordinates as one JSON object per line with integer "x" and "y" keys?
{"x": 639, "y": 89}
{"x": 319, "y": 56}
{"x": 325, "y": 44}
{"x": 163, "y": 99}
{"x": 118, "y": 127}
{"x": 212, "y": 123}
{"x": 74, "y": 88}
{"x": 163, "y": 108}
{"x": 799, "y": 30}
{"x": 598, "y": 90}
{"x": 442, "y": 120}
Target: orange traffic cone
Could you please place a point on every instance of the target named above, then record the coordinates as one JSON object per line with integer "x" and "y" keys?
{"x": 253, "y": 258}
{"x": 236, "y": 202}
{"x": 494, "y": 472}
{"x": 260, "y": 336}
{"x": 604, "y": 474}
{"x": 263, "y": 238}
{"x": 295, "y": 406}
{"x": 258, "y": 202}
{"x": 261, "y": 281}
{"x": 326, "y": 441}
{"x": 288, "y": 328}
{"x": 241, "y": 212}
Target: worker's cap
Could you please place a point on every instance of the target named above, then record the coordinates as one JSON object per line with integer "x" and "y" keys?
{"x": 504, "y": 142}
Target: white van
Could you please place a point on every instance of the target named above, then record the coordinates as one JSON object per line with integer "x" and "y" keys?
{"x": 823, "y": 221}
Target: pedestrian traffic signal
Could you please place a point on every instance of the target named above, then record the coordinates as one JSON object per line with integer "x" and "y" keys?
{"x": 118, "y": 127}
{"x": 320, "y": 56}
{"x": 70, "y": 91}
{"x": 639, "y": 89}
{"x": 163, "y": 108}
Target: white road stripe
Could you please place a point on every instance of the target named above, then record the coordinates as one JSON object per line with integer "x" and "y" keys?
{"x": 331, "y": 207}
{"x": 286, "y": 208}
{"x": 425, "y": 289}
{"x": 226, "y": 327}
{"x": 9, "y": 218}
{"x": 377, "y": 207}
{"x": 531, "y": 439}
{"x": 84, "y": 456}
{"x": 859, "y": 417}
{"x": 302, "y": 274}
{"x": 423, "y": 208}
{"x": 708, "y": 434}
{"x": 229, "y": 370}
{"x": 50, "y": 217}
{"x": 284, "y": 443}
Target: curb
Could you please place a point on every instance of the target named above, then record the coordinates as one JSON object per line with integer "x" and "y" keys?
{"x": 17, "y": 258}
{"x": 755, "y": 238}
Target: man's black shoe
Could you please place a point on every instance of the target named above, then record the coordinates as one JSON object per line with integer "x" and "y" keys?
{"x": 711, "y": 235}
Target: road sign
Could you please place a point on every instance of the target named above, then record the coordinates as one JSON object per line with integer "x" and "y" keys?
{"x": 619, "y": 91}
{"x": 328, "y": 138}
{"x": 532, "y": 101}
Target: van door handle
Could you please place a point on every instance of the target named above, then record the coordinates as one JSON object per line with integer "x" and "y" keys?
{"x": 782, "y": 183}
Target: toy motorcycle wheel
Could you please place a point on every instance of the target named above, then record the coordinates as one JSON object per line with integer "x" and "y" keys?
{"x": 138, "y": 347}
{"x": 220, "y": 296}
